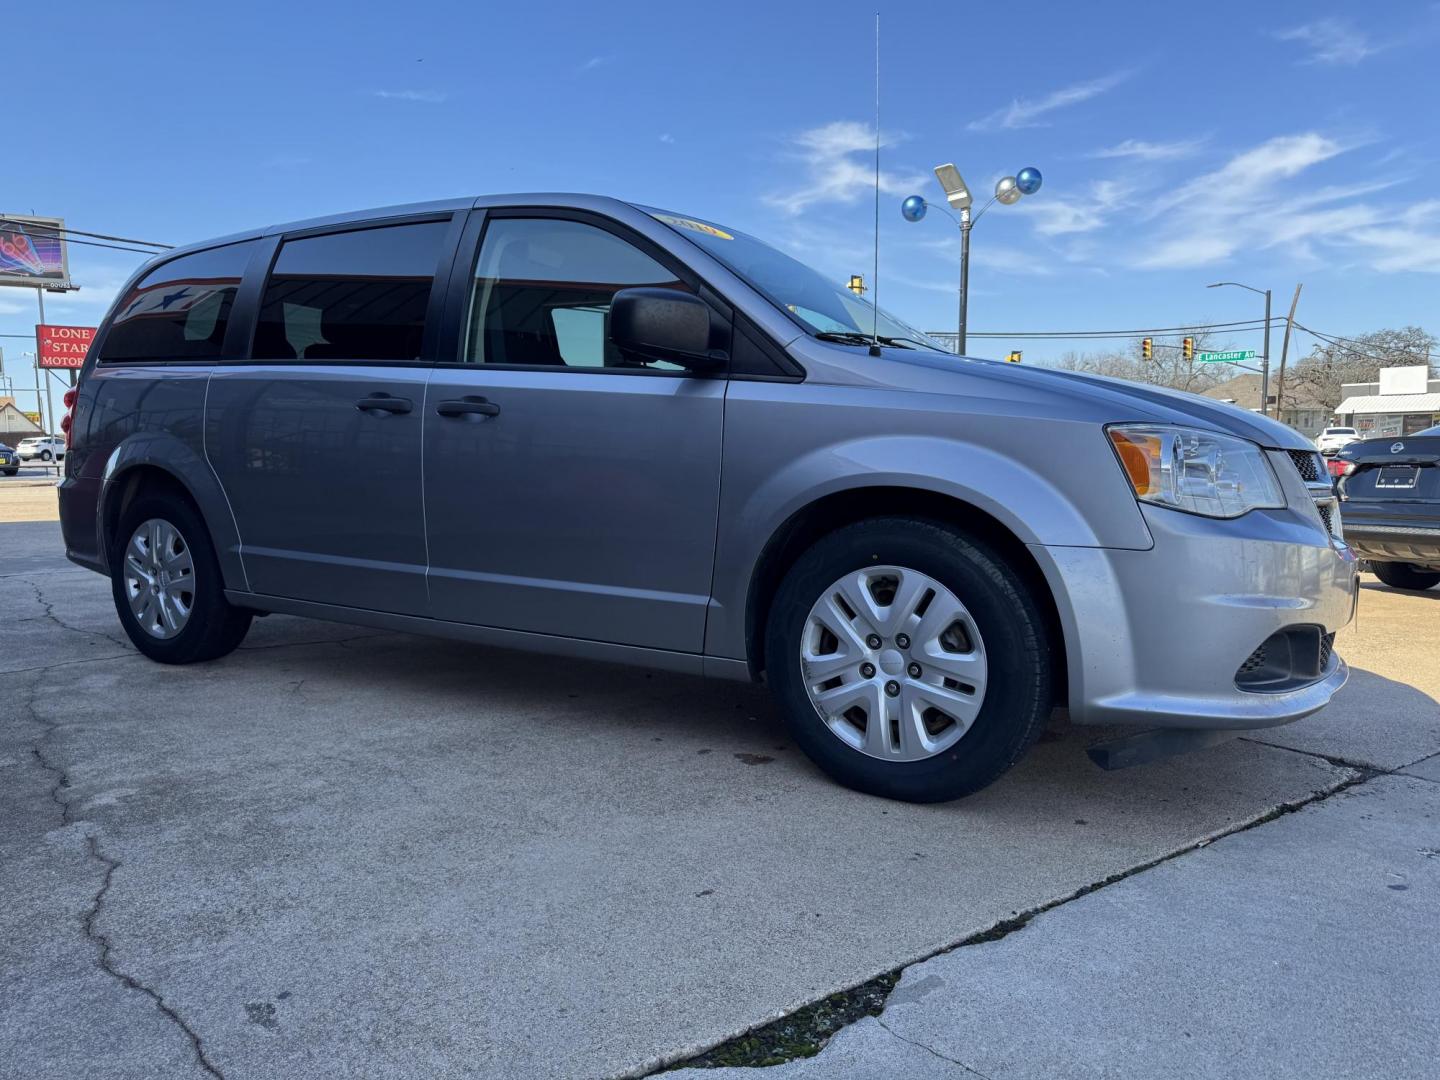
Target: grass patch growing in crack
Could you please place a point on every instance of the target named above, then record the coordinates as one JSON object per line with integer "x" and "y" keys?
{"x": 803, "y": 1033}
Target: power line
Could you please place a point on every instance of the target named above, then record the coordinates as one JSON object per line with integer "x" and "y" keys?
{"x": 1334, "y": 339}
{"x": 1160, "y": 331}
{"x": 52, "y": 229}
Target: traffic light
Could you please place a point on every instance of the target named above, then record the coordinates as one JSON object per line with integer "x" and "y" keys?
{"x": 1147, "y": 349}
{"x": 857, "y": 285}
{"x": 1188, "y": 348}
{"x": 1013, "y": 358}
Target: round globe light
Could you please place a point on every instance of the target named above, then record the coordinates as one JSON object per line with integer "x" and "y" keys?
{"x": 1028, "y": 180}
{"x": 913, "y": 208}
{"x": 1006, "y": 192}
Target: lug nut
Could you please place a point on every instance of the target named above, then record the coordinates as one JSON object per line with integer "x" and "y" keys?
{"x": 902, "y": 641}
{"x": 867, "y": 670}
{"x": 873, "y": 641}
{"x": 892, "y": 688}
{"x": 914, "y": 671}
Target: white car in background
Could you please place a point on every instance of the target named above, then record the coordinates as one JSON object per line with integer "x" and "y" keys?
{"x": 46, "y": 448}
{"x": 1334, "y": 439}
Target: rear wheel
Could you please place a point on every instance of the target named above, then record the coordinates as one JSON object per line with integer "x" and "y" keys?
{"x": 910, "y": 661}
{"x": 1399, "y": 575}
{"x": 45, "y": 455}
{"x": 167, "y": 585}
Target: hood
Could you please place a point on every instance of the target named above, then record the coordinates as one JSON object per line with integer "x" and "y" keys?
{"x": 1098, "y": 397}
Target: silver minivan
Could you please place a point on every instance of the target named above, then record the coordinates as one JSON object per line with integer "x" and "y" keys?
{"x": 571, "y": 424}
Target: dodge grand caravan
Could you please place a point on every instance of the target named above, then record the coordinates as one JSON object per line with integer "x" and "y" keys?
{"x": 571, "y": 424}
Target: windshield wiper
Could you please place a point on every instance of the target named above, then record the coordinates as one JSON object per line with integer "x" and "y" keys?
{"x": 855, "y": 337}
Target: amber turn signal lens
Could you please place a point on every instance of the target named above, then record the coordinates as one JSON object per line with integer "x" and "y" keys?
{"x": 1140, "y": 455}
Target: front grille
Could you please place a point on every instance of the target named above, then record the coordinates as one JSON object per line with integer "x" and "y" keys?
{"x": 1307, "y": 464}
{"x": 1327, "y": 646}
{"x": 1327, "y": 515}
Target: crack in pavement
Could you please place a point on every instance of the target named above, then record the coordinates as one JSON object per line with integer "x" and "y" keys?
{"x": 929, "y": 1049}
{"x": 1003, "y": 928}
{"x": 90, "y": 919}
{"x": 49, "y": 613}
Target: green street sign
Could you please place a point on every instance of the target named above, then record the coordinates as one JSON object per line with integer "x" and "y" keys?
{"x": 1235, "y": 356}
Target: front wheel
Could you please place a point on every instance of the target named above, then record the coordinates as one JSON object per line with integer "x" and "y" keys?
{"x": 46, "y": 456}
{"x": 1399, "y": 575}
{"x": 910, "y": 660}
{"x": 167, "y": 585}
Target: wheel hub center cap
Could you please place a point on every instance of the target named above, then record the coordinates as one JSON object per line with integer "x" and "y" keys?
{"x": 891, "y": 662}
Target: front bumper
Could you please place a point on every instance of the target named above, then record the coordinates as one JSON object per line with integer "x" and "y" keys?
{"x": 1157, "y": 637}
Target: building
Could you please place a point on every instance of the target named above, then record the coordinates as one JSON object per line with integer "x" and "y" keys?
{"x": 14, "y": 424}
{"x": 1303, "y": 411}
{"x": 1404, "y": 401}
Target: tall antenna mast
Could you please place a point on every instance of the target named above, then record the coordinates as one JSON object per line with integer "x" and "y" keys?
{"x": 875, "y": 273}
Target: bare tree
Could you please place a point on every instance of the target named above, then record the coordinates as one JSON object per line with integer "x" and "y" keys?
{"x": 1168, "y": 368}
{"x": 1329, "y": 365}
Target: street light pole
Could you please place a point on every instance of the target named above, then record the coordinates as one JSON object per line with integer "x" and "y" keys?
{"x": 964, "y": 280}
{"x": 1265, "y": 363}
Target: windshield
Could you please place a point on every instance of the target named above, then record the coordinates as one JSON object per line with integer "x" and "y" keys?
{"x": 822, "y": 306}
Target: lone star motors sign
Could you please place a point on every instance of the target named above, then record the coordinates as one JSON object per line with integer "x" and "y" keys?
{"x": 63, "y": 346}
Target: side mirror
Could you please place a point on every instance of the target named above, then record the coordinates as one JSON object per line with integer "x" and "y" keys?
{"x": 648, "y": 324}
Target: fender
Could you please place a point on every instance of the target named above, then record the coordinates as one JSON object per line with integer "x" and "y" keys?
{"x": 178, "y": 459}
{"x": 1024, "y": 501}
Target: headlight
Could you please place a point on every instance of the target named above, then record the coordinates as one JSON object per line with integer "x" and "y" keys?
{"x": 1197, "y": 471}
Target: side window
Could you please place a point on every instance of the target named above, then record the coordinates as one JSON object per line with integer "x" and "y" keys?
{"x": 359, "y": 295}
{"x": 542, "y": 289}
{"x": 180, "y": 309}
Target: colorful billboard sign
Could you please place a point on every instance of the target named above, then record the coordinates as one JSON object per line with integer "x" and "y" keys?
{"x": 33, "y": 252}
{"x": 63, "y": 346}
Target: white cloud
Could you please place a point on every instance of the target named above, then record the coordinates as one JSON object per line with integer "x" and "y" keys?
{"x": 593, "y": 63}
{"x": 840, "y": 167}
{"x": 1060, "y": 216}
{"x": 427, "y": 97}
{"x": 667, "y": 138}
{"x": 1141, "y": 150}
{"x": 1331, "y": 41}
{"x": 1023, "y": 114}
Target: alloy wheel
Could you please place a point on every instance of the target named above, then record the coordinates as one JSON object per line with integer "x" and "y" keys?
{"x": 159, "y": 578}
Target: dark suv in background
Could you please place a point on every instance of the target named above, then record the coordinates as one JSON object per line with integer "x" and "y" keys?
{"x": 1390, "y": 490}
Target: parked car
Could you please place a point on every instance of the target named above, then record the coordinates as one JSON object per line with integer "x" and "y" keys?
{"x": 1333, "y": 439}
{"x": 1391, "y": 495}
{"x": 9, "y": 460}
{"x": 571, "y": 424}
{"x": 45, "y": 448}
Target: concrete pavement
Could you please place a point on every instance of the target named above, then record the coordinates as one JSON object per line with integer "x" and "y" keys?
{"x": 344, "y": 852}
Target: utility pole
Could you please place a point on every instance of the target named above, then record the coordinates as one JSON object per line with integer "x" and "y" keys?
{"x": 964, "y": 278}
{"x": 1284, "y": 352}
{"x": 49, "y": 403}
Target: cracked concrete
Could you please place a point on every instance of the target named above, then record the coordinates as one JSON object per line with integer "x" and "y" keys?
{"x": 351, "y": 852}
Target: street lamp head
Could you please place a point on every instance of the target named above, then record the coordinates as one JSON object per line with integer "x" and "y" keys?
{"x": 913, "y": 208}
{"x": 1028, "y": 180}
{"x": 1006, "y": 191}
{"x": 957, "y": 193}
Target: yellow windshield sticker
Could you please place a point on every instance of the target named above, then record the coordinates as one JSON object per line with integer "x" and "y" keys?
{"x": 697, "y": 226}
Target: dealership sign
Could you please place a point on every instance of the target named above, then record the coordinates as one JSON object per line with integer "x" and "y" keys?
{"x": 63, "y": 346}
{"x": 33, "y": 252}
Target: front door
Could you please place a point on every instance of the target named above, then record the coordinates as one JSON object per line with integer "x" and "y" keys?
{"x": 568, "y": 491}
{"x": 317, "y": 440}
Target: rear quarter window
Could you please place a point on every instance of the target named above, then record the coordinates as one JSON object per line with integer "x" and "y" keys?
{"x": 180, "y": 309}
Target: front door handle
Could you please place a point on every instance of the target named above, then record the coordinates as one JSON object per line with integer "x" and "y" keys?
{"x": 470, "y": 405}
{"x": 383, "y": 403}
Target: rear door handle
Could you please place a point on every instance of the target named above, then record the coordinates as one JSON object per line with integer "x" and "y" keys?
{"x": 383, "y": 403}
{"x": 470, "y": 405}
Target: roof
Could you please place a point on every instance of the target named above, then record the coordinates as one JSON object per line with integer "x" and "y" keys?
{"x": 1390, "y": 403}
{"x": 1244, "y": 390}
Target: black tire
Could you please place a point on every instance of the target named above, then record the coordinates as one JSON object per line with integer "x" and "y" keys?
{"x": 46, "y": 456}
{"x": 216, "y": 626}
{"x": 12, "y": 472}
{"x": 1017, "y": 700}
{"x": 1399, "y": 575}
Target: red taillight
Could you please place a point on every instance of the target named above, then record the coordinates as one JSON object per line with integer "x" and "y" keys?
{"x": 68, "y": 420}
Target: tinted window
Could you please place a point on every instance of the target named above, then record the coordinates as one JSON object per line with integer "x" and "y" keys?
{"x": 350, "y": 296}
{"x": 542, "y": 294}
{"x": 180, "y": 309}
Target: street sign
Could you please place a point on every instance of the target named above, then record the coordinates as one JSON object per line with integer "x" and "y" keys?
{"x": 1235, "y": 356}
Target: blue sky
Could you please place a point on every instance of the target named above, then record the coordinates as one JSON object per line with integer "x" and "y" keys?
{"x": 1268, "y": 144}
